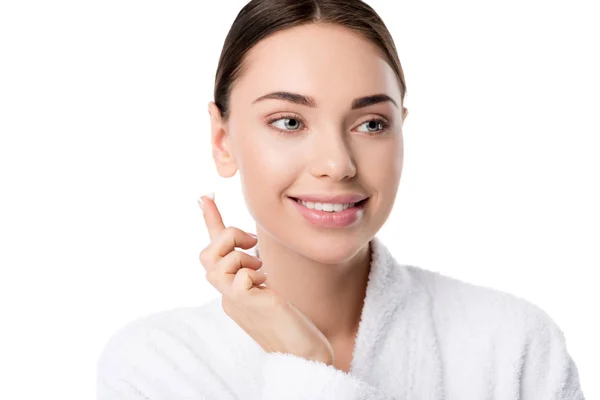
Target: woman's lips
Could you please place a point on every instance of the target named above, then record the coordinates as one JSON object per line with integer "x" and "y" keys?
{"x": 336, "y": 219}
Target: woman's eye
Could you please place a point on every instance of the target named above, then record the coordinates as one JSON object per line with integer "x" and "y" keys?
{"x": 292, "y": 123}
{"x": 286, "y": 123}
{"x": 374, "y": 124}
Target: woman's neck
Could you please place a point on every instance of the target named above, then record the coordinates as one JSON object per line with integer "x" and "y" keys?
{"x": 331, "y": 295}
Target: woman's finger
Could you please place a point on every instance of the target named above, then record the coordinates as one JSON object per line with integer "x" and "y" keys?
{"x": 232, "y": 262}
{"x": 222, "y": 274}
{"x": 244, "y": 280}
{"x": 212, "y": 217}
{"x": 230, "y": 238}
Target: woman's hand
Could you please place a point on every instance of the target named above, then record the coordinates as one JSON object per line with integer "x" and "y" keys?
{"x": 273, "y": 322}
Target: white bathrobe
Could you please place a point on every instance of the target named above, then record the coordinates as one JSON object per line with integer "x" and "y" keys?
{"x": 422, "y": 335}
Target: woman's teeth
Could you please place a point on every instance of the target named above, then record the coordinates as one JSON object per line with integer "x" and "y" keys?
{"x": 329, "y": 207}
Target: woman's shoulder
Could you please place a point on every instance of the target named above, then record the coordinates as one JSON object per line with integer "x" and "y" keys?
{"x": 185, "y": 352}
{"x": 167, "y": 331}
{"x": 479, "y": 325}
{"x": 179, "y": 317}
{"x": 467, "y": 308}
{"x": 475, "y": 308}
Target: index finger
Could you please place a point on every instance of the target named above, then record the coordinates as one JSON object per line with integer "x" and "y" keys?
{"x": 212, "y": 217}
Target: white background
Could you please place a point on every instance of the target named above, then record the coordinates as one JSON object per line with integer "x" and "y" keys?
{"x": 104, "y": 149}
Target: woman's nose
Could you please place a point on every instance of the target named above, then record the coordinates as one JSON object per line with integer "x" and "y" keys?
{"x": 332, "y": 157}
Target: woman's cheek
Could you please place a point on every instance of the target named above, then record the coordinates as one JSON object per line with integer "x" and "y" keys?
{"x": 269, "y": 164}
{"x": 274, "y": 150}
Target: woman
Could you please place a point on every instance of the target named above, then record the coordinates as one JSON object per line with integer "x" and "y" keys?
{"x": 309, "y": 109}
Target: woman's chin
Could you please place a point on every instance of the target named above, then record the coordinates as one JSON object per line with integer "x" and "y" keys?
{"x": 330, "y": 252}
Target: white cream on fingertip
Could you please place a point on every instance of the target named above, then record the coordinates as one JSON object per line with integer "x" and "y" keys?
{"x": 210, "y": 195}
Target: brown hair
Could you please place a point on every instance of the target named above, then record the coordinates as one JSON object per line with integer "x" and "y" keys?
{"x": 260, "y": 18}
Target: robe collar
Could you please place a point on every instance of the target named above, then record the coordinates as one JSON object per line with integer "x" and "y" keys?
{"x": 396, "y": 347}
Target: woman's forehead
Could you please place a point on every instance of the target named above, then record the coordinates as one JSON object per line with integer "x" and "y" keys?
{"x": 314, "y": 59}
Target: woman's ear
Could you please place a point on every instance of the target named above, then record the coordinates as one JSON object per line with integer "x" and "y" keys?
{"x": 221, "y": 143}
{"x": 404, "y": 113}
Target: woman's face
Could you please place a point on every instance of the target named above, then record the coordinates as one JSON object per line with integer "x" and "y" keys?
{"x": 286, "y": 149}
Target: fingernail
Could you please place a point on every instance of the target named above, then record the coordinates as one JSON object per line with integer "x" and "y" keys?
{"x": 253, "y": 235}
{"x": 210, "y": 195}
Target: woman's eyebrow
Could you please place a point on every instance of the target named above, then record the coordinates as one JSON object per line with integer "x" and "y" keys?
{"x": 311, "y": 102}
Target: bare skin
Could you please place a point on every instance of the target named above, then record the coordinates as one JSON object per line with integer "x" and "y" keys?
{"x": 326, "y": 149}
{"x": 266, "y": 315}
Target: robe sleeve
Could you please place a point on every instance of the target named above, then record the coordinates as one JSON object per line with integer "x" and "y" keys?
{"x": 286, "y": 376}
{"x": 547, "y": 369}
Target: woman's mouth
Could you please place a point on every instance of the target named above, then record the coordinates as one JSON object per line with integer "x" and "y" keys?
{"x": 333, "y": 215}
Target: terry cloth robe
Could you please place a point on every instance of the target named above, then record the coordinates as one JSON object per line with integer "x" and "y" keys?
{"x": 422, "y": 335}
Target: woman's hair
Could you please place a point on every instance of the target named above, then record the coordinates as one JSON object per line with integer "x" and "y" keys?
{"x": 260, "y": 18}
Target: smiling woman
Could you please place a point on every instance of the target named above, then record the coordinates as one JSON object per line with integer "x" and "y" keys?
{"x": 309, "y": 109}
